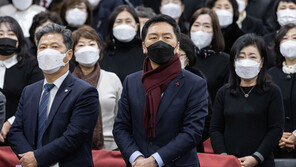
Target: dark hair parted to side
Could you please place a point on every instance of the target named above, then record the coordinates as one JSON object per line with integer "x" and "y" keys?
{"x": 211, "y": 4}
{"x": 88, "y": 33}
{"x": 110, "y": 39}
{"x": 56, "y": 29}
{"x": 217, "y": 43}
{"x": 263, "y": 80}
{"x": 158, "y": 19}
{"x": 42, "y": 18}
{"x": 275, "y": 7}
{"x": 66, "y": 4}
{"x": 189, "y": 48}
{"x": 279, "y": 59}
{"x": 23, "y": 48}
{"x": 145, "y": 12}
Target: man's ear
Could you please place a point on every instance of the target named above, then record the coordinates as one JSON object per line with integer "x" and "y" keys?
{"x": 68, "y": 56}
{"x": 145, "y": 51}
{"x": 177, "y": 49}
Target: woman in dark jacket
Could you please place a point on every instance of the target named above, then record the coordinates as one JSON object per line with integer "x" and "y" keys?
{"x": 123, "y": 52}
{"x": 18, "y": 67}
{"x": 101, "y": 13}
{"x": 284, "y": 75}
{"x": 248, "y": 115}
{"x": 211, "y": 61}
{"x": 227, "y": 12}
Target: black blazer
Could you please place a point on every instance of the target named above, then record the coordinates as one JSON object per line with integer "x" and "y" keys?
{"x": 231, "y": 34}
{"x": 253, "y": 25}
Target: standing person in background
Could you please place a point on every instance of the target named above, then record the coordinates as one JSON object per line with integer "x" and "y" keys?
{"x": 144, "y": 15}
{"x": 123, "y": 53}
{"x": 284, "y": 75}
{"x": 248, "y": 115}
{"x": 247, "y": 23}
{"x": 162, "y": 109}
{"x": 88, "y": 49}
{"x": 227, "y": 12}
{"x": 56, "y": 116}
{"x": 18, "y": 68}
{"x": 206, "y": 34}
{"x": 102, "y": 9}
{"x": 187, "y": 57}
{"x": 175, "y": 9}
{"x": 76, "y": 13}
{"x": 23, "y": 12}
{"x": 40, "y": 20}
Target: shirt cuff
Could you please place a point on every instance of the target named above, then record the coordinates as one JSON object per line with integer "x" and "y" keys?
{"x": 11, "y": 120}
{"x": 294, "y": 132}
{"x": 134, "y": 156}
{"x": 158, "y": 159}
{"x": 259, "y": 156}
{"x": 224, "y": 154}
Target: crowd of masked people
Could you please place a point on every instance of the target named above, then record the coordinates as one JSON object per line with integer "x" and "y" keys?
{"x": 244, "y": 49}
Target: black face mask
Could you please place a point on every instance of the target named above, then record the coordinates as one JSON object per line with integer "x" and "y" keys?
{"x": 7, "y": 46}
{"x": 160, "y": 52}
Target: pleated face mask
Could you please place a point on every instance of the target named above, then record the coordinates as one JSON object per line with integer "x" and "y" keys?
{"x": 247, "y": 69}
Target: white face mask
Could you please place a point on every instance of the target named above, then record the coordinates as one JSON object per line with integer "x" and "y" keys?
{"x": 201, "y": 39}
{"x": 87, "y": 56}
{"x": 50, "y": 60}
{"x": 183, "y": 61}
{"x": 94, "y": 3}
{"x": 124, "y": 33}
{"x": 22, "y": 4}
{"x": 76, "y": 17}
{"x": 172, "y": 9}
{"x": 225, "y": 18}
{"x": 241, "y": 5}
{"x": 286, "y": 16}
{"x": 288, "y": 49}
{"x": 247, "y": 69}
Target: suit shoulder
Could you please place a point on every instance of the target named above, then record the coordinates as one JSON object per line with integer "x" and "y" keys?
{"x": 192, "y": 78}
{"x": 134, "y": 76}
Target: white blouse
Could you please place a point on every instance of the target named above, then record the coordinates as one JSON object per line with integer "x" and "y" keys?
{"x": 109, "y": 88}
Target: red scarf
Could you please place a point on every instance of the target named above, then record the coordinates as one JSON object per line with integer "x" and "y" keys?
{"x": 155, "y": 82}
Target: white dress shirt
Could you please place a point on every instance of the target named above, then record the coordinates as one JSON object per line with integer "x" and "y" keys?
{"x": 109, "y": 87}
{"x": 6, "y": 64}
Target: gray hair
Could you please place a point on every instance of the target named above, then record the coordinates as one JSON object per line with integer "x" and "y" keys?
{"x": 145, "y": 12}
{"x": 58, "y": 29}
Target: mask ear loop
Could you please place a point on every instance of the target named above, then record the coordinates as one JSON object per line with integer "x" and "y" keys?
{"x": 65, "y": 54}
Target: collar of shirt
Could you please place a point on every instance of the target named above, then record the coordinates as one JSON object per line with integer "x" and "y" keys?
{"x": 9, "y": 62}
{"x": 57, "y": 83}
{"x": 240, "y": 20}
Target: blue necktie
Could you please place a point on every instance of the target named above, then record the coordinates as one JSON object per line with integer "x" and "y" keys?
{"x": 42, "y": 116}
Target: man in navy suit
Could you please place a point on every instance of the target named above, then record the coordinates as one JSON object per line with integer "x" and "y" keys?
{"x": 162, "y": 109}
{"x": 56, "y": 116}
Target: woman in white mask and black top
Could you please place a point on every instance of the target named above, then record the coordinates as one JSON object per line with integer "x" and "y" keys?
{"x": 284, "y": 75}
{"x": 248, "y": 114}
{"x": 88, "y": 51}
{"x": 209, "y": 43}
{"x": 17, "y": 68}
{"x": 285, "y": 13}
{"x": 227, "y": 12}
{"x": 123, "y": 53}
{"x": 76, "y": 13}
{"x": 175, "y": 9}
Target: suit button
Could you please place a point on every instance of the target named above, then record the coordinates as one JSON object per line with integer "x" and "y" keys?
{"x": 289, "y": 77}
{"x": 288, "y": 118}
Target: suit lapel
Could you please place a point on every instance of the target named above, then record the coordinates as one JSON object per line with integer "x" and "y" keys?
{"x": 35, "y": 106}
{"x": 63, "y": 91}
{"x": 171, "y": 91}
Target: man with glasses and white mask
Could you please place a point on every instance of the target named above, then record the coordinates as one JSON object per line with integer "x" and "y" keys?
{"x": 56, "y": 116}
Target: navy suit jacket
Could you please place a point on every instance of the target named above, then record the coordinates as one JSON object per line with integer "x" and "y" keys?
{"x": 179, "y": 121}
{"x": 69, "y": 127}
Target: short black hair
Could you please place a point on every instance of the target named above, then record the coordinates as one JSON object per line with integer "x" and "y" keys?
{"x": 23, "y": 48}
{"x": 188, "y": 47}
{"x": 40, "y": 19}
{"x": 264, "y": 79}
{"x": 211, "y": 4}
{"x": 145, "y": 12}
{"x": 279, "y": 58}
{"x": 275, "y": 7}
{"x": 162, "y": 18}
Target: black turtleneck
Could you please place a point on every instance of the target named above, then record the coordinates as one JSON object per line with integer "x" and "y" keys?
{"x": 124, "y": 58}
